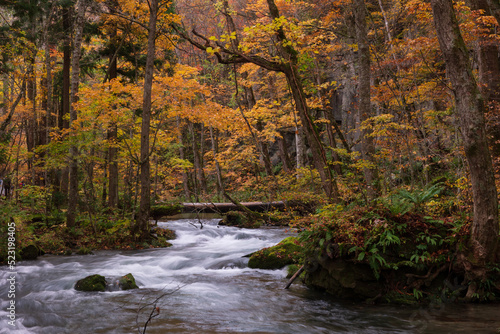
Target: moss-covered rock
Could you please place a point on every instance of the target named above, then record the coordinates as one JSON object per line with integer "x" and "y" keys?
{"x": 292, "y": 269}
{"x": 91, "y": 283}
{"x": 30, "y": 252}
{"x": 344, "y": 279}
{"x": 287, "y": 252}
{"x": 127, "y": 282}
{"x": 239, "y": 219}
{"x": 84, "y": 251}
{"x": 165, "y": 233}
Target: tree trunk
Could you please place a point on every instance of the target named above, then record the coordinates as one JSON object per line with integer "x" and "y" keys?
{"x": 470, "y": 112}
{"x": 75, "y": 81}
{"x": 220, "y": 184}
{"x": 65, "y": 94}
{"x": 364, "y": 98}
{"x": 283, "y": 153}
{"x": 113, "y": 132}
{"x": 142, "y": 222}
{"x": 199, "y": 177}
{"x": 489, "y": 78}
{"x": 182, "y": 155}
{"x": 300, "y": 149}
{"x": 290, "y": 70}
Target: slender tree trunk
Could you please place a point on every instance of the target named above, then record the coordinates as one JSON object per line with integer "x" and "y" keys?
{"x": 113, "y": 134}
{"x": 182, "y": 155}
{"x": 364, "y": 97}
{"x": 300, "y": 148}
{"x": 331, "y": 140}
{"x": 30, "y": 123}
{"x": 220, "y": 184}
{"x": 199, "y": 178}
{"x": 65, "y": 94}
{"x": 75, "y": 81}
{"x": 470, "y": 112}
{"x": 142, "y": 222}
{"x": 283, "y": 153}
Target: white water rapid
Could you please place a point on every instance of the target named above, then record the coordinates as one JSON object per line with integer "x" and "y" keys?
{"x": 207, "y": 288}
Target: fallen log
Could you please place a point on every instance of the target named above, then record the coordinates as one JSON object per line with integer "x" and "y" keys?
{"x": 226, "y": 207}
{"x": 294, "y": 277}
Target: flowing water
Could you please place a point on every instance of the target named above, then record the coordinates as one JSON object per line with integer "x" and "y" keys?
{"x": 202, "y": 285}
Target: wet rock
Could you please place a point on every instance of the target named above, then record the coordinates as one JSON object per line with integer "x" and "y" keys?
{"x": 91, "y": 283}
{"x": 127, "y": 282}
{"x": 239, "y": 219}
{"x": 286, "y": 252}
{"x": 344, "y": 279}
{"x": 30, "y": 252}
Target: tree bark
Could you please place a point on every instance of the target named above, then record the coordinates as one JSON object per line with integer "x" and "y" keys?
{"x": 364, "y": 98}
{"x": 182, "y": 155}
{"x": 470, "y": 111}
{"x": 113, "y": 129}
{"x": 65, "y": 93}
{"x": 75, "y": 81}
{"x": 141, "y": 226}
{"x": 283, "y": 153}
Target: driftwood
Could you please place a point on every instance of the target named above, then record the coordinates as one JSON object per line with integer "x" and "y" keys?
{"x": 294, "y": 277}
{"x": 226, "y": 207}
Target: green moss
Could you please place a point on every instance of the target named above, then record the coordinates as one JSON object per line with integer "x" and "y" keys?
{"x": 286, "y": 252}
{"x": 165, "y": 210}
{"x": 91, "y": 283}
{"x": 165, "y": 233}
{"x": 292, "y": 269}
{"x": 127, "y": 282}
{"x": 83, "y": 251}
{"x": 240, "y": 219}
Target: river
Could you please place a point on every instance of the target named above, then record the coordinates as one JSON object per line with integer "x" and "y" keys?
{"x": 201, "y": 285}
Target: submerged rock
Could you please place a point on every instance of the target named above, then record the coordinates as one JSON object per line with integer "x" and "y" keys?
{"x": 127, "y": 282}
{"x": 91, "y": 283}
{"x": 286, "y": 252}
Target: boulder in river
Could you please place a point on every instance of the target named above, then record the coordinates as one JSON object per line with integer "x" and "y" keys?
{"x": 30, "y": 252}
{"x": 91, "y": 283}
{"x": 127, "y": 282}
{"x": 286, "y": 252}
{"x": 239, "y": 219}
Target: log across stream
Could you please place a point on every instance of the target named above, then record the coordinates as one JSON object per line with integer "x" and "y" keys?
{"x": 226, "y": 207}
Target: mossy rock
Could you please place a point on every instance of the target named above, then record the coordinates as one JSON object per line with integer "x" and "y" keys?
{"x": 30, "y": 252}
{"x": 84, "y": 251}
{"x": 91, "y": 283}
{"x": 165, "y": 210}
{"x": 160, "y": 242}
{"x": 288, "y": 251}
{"x": 292, "y": 269}
{"x": 165, "y": 233}
{"x": 127, "y": 282}
{"x": 239, "y": 219}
